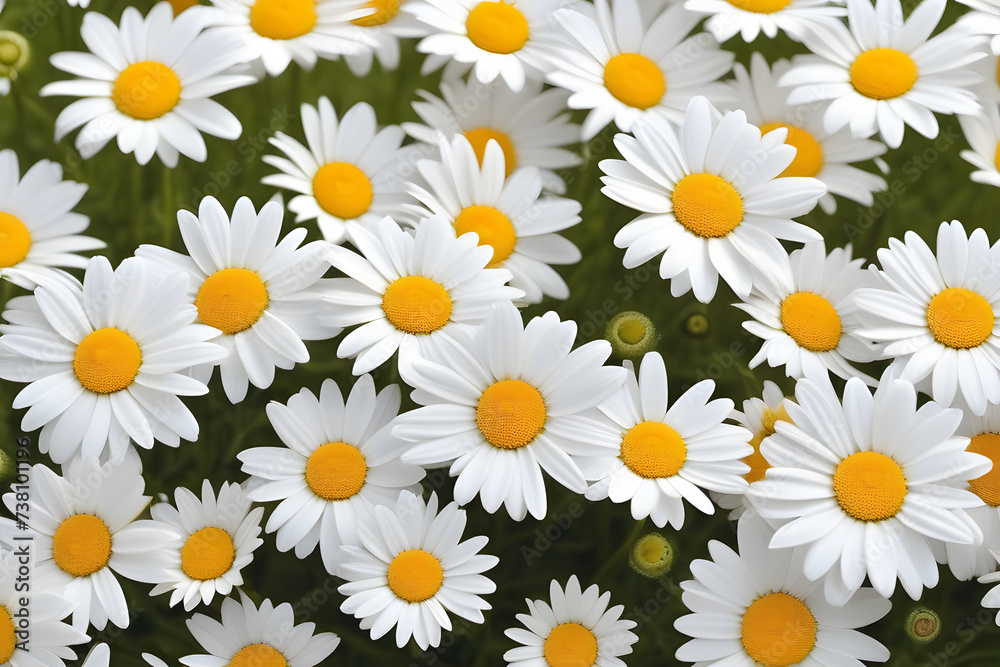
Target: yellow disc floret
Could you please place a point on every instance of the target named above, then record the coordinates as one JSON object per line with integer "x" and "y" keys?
{"x": 758, "y": 464}
{"x": 385, "y": 11}
{"x": 707, "y": 205}
{"x": 342, "y": 190}
{"x": 960, "y": 318}
{"x": 416, "y": 305}
{"x": 336, "y": 471}
{"x": 208, "y": 554}
{"x": 870, "y": 486}
{"x": 570, "y": 645}
{"x": 81, "y": 545}
{"x": 653, "y": 450}
{"x": 883, "y": 74}
{"x": 258, "y": 655}
{"x": 15, "y": 240}
{"x": 635, "y": 80}
{"x": 8, "y": 640}
{"x": 510, "y": 414}
{"x": 146, "y": 90}
{"x": 492, "y": 226}
{"x": 808, "y": 152}
{"x": 415, "y": 575}
{"x": 232, "y": 300}
{"x": 283, "y": 19}
{"x": 778, "y": 630}
{"x": 481, "y": 136}
{"x": 107, "y": 360}
{"x": 811, "y": 321}
{"x": 497, "y": 27}
{"x": 987, "y": 486}
{"x": 760, "y": 6}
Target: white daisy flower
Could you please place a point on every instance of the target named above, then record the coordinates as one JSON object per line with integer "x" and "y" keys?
{"x": 755, "y": 607}
{"x": 263, "y": 294}
{"x": 621, "y": 70}
{"x": 380, "y": 32}
{"x": 350, "y": 171}
{"x": 937, "y": 316}
{"x": 340, "y": 459}
{"x": 84, "y": 533}
{"x": 984, "y": 19}
{"x": 495, "y": 37}
{"x": 982, "y": 131}
{"x": 824, "y": 155}
{"x": 710, "y": 198}
{"x": 992, "y": 598}
{"x": 411, "y": 569}
{"x": 805, "y": 312}
{"x": 105, "y": 361}
{"x": 884, "y": 71}
{"x": 38, "y": 228}
{"x": 749, "y": 18}
{"x": 219, "y": 535}
{"x": 574, "y": 628}
{"x": 505, "y": 404}
{"x": 507, "y": 213}
{"x": 531, "y": 126}
{"x": 659, "y": 455}
{"x": 149, "y": 82}
{"x": 411, "y": 293}
{"x": 863, "y": 487}
{"x": 257, "y": 637}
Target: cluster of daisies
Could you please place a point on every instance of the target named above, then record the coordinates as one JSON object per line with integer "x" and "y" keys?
{"x": 433, "y": 236}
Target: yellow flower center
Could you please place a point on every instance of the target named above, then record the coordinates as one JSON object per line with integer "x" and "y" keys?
{"x": 987, "y": 487}
{"x": 480, "y": 136}
{"x": 385, "y": 11}
{"x": 510, "y": 414}
{"x": 960, "y": 318}
{"x": 208, "y": 554}
{"x": 81, "y": 545}
{"x": 811, "y": 321}
{"x": 493, "y": 228}
{"x": 342, "y": 190}
{"x": 258, "y": 655}
{"x": 760, "y": 6}
{"x": 416, "y": 305}
{"x": 869, "y": 486}
{"x": 635, "y": 80}
{"x": 15, "y": 240}
{"x": 996, "y": 156}
{"x": 882, "y": 74}
{"x": 497, "y": 27}
{"x": 336, "y": 471}
{"x": 631, "y": 331}
{"x": 107, "y": 360}
{"x": 707, "y": 205}
{"x": 283, "y": 19}
{"x": 8, "y": 640}
{"x": 146, "y": 90}
{"x": 651, "y": 548}
{"x": 778, "y": 630}
{"x": 653, "y": 450}
{"x": 758, "y": 464}
{"x": 181, "y": 5}
{"x": 415, "y": 575}
{"x": 570, "y": 645}
{"x": 232, "y": 300}
{"x": 808, "y": 153}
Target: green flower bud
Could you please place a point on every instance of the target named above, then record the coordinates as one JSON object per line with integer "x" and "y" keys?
{"x": 652, "y": 555}
{"x": 923, "y": 625}
{"x": 696, "y": 325}
{"x": 631, "y": 334}
{"x": 14, "y": 53}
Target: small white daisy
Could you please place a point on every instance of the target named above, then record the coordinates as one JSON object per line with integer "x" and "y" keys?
{"x": 863, "y": 486}
{"x": 659, "y": 455}
{"x": 507, "y": 213}
{"x": 574, "y": 628}
{"x": 380, "y": 33}
{"x": 405, "y": 290}
{"x": 982, "y": 131}
{"x": 258, "y": 637}
{"x": 38, "y": 228}
{"x": 219, "y": 535}
{"x": 754, "y": 607}
{"x": 884, "y": 71}
{"x": 411, "y": 569}
{"x": 105, "y": 360}
{"x": 711, "y": 199}
{"x": 505, "y": 404}
{"x": 749, "y": 18}
{"x": 263, "y": 294}
{"x": 350, "y": 171}
{"x": 149, "y": 82}
{"x": 621, "y": 70}
{"x": 937, "y": 315}
{"x": 340, "y": 458}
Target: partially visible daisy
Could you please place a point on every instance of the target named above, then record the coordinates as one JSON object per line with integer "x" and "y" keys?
{"x": 106, "y": 360}
{"x": 754, "y": 607}
{"x": 819, "y": 153}
{"x": 339, "y": 460}
{"x": 507, "y": 213}
{"x": 622, "y": 70}
{"x": 153, "y": 94}
{"x": 38, "y": 228}
{"x": 411, "y": 568}
{"x": 702, "y": 207}
{"x": 507, "y": 403}
{"x": 984, "y": 19}
{"x": 350, "y": 171}
{"x": 937, "y": 315}
{"x": 219, "y": 533}
{"x": 884, "y": 72}
{"x": 99, "y": 655}
{"x": 249, "y": 635}
{"x": 982, "y": 131}
{"x": 261, "y": 293}
{"x": 410, "y": 289}
{"x": 574, "y": 628}
{"x": 531, "y": 126}
{"x": 749, "y": 18}
{"x": 379, "y": 33}
{"x": 659, "y": 455}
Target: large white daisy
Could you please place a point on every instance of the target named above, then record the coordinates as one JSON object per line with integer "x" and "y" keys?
{"x": 105, "y": 361}
{"x": 411, "y": 569}
{"x": 149, "y": 82}
{"x": 340, "y": 459}
{"x": 505, "y": 404}
{"x": 749, "y": 18}
{"x": 703, "y": 208}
